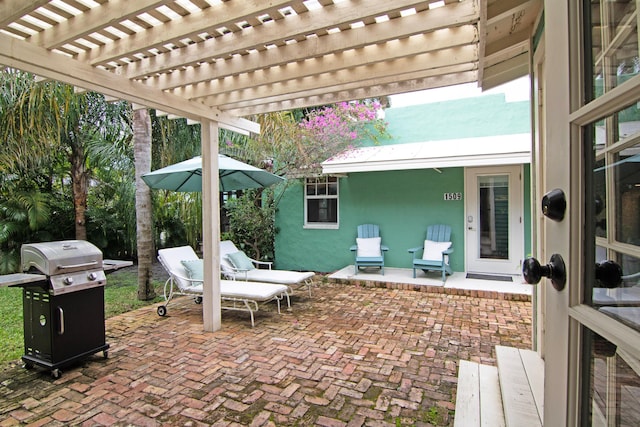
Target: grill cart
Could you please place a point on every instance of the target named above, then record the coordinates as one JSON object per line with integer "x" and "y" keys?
{"x": 63, "y": 303}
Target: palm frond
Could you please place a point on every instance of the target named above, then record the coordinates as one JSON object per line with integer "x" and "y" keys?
{"x": 36, "y": 206}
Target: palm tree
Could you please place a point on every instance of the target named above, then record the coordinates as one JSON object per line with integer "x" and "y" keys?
{"x": 144, "y": 221}
{"x": 48, "y": 128}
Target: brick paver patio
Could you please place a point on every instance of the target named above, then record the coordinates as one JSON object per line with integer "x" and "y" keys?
{"x": 348, "y": 356}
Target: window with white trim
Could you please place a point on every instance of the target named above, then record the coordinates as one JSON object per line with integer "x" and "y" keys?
{"x": 321, "y": 202}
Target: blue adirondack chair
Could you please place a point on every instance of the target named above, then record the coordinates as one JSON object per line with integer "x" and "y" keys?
{"x": 368, "y": 249}
{"x": 435, "y": 256}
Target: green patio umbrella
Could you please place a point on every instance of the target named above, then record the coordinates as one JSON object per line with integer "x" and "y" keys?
{"x": 187, "y": 176}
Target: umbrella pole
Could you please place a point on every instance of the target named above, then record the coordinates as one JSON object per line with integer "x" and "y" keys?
{"x": 211, "y": 307}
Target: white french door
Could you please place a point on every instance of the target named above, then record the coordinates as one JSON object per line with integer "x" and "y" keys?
{"x": 590, "y": 147}
{"x": 494, "y": 228}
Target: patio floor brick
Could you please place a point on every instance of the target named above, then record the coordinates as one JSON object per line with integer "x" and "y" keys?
{"x": 347, "y": 356}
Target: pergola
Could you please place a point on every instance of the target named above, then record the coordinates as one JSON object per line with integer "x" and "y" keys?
{"x": 219, "y": 61}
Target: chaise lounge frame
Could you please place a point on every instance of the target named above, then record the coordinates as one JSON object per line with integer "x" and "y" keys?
{"x": 234, "y": 295}
{"x": 264, "y": 271}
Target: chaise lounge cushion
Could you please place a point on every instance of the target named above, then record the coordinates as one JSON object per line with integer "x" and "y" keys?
{"x": 195, "y": 268}
{"x": 253, "y": 290}
{"x": 433, "y": 250}
{"x": 286, "y": 277}
{"x": 241, "y": 261}
{"x": 368, "y": 247}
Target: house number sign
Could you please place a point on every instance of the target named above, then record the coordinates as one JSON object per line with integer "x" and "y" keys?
{"x": 453, "y": 196}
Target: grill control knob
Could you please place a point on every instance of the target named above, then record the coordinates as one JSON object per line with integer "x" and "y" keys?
{"x": 68, "y": 281}
{"x": 92, "y": 276}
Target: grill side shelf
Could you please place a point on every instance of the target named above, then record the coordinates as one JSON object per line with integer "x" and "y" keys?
{"x": 22, "y": 279}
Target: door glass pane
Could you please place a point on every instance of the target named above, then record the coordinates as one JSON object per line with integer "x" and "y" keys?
{"x": 493, "y": 194}
{"x": 626, "y": 177}
{"x": 614, "y": 44}
{"x": 613, "y": 287}
{"x": 613, "y": 386}
{"x": 619, "y": 300}
{"x": 610, "y": 382}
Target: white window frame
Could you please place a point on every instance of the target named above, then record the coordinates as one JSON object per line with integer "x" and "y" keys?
{"x": 321, "y": 225}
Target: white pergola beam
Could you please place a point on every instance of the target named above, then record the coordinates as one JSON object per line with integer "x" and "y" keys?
{"x": 13, "y": 10}
{"x": 93, "y": 21}
{"x": 205, "y": 21}
{"x": 61, "y": 68}
{"x": 424, "y": 22}
{"x": 290, "y": 28}
{"x": 362, "y": 93}
{"x": 401, "y": 42}
{"x": 446, "y": 50}
{"x": 239, "y": 100}
{"x": 365, "y": 71}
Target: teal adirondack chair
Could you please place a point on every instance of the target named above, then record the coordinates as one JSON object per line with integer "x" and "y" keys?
{"x": 434, "y": 254}
{"x": 369, "y": 249}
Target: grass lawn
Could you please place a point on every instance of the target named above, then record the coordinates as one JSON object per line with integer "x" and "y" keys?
{"x": 120, "y": 296}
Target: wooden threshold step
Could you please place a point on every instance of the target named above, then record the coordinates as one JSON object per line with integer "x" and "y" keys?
{"x": 521, "y": 374}
{"x": 478, "y": 400}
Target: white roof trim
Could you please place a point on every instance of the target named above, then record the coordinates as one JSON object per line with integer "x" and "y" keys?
{"x": 483, "y": 151}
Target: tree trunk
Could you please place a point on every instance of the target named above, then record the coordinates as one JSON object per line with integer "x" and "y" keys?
{"x": 80, "y": 188}
{"x": 142, "y": 155}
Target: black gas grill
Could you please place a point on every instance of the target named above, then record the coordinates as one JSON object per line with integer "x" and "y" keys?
{"x": 63, "y": 303}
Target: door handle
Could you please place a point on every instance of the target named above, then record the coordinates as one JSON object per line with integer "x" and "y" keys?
{"x": 555, "y": 270}
{"x": 609, "y": 273}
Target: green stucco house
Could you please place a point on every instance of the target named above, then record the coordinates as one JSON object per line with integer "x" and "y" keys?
{"x": 465, "y": 163}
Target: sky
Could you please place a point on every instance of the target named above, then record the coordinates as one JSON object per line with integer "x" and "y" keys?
{"x": 516, "y": 90}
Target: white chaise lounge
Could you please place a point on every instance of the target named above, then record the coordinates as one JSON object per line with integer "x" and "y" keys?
{"x": 185, "y": 278}
{"x": 235, "y": 265}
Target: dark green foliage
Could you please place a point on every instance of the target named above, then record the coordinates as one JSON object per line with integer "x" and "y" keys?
{"x": 48, "y": 132}
{"x": 112, "y": 219}
{"x": 252, "y": 223}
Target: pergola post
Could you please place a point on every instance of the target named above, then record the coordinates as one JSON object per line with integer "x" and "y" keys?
{"x": 211, "y": 303}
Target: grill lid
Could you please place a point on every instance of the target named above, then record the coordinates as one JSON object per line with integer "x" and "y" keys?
{"x": 62, "y": 257}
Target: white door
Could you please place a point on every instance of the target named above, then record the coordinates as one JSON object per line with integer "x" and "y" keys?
{"x": 590, "y": 149}
{"x": 494, "y": 228}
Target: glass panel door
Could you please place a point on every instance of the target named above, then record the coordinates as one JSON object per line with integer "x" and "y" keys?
{"x": 608, "y": 309}
{"x": 494, "y": 210}
{"x": 611, "y": 381}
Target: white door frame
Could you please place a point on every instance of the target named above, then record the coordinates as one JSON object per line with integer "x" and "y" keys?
{"x": 554, "y": 168}
{"x": 537, "y": 184}
{"x": 474, "y": 263}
